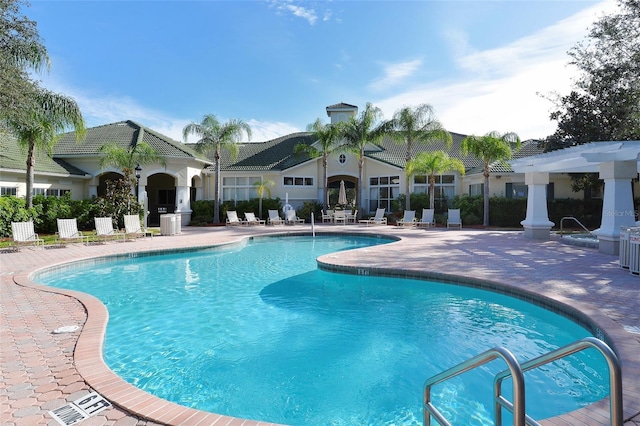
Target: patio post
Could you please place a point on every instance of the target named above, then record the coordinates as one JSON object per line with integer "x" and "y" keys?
{"x": 537, "y": 224}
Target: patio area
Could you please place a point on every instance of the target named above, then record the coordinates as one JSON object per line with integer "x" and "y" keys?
{"x": 42, "y": 371}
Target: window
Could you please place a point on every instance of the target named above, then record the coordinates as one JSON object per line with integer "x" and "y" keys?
{"x": 50, "y": 192}
{"x": 445, "y": 186}
{"x": 7, "y": 190}
{"x": 342, "y": 159}
{"x": 297, "y": 181}
{"x": 516, "y": 190}
{"x": 383, "y": 190}
{"x": 239, "y": 188}
{"x": 476, "y": 189}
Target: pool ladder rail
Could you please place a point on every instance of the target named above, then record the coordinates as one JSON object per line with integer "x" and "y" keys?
{"x": 516, "y": 372}
{"x": 576, "y": 221}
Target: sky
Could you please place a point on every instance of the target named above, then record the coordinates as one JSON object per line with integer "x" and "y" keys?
{"x": 277, "y": 64}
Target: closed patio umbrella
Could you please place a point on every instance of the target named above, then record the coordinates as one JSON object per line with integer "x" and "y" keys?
{"x": 342, "y": 195}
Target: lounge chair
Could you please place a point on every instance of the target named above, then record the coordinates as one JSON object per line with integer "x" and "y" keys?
{"x": 68, "y": 232}
{"x": 233, "y": 219}
{"x": 105, "y": 230}
{"x": 133, "y": 227}
{"x": 25, "y": 235}
{"x": 274, "y": 218}
{"x": 427, "y": 220}
{"x": 340, "y": 216}
{"x": 351, "y": 217}
{"x": 453, "y": 218}
{"x": 409, "y": 218}
{"x": 251, "y": 219}
{"x": 378, "y": 219}
{"x": 292, "y": 219}
{"x": 328, "y": 216}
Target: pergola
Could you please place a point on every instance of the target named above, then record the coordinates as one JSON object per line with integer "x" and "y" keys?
{"x": 616, "y": 162}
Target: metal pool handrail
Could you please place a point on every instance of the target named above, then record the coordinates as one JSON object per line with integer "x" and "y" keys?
{"x": 574, "y": 219}
{"x": 517, "y": 408}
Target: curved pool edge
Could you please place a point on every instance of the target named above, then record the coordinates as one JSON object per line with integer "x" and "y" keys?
{"x": 89, "y": 362}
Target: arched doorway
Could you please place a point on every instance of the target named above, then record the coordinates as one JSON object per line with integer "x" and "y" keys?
{"x": 161, "y": 193}
{"x": 333, "y": 189}
{"x": 102, "y": 181}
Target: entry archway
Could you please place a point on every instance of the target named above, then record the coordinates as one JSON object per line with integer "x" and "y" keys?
{"x": 333, "y": 189}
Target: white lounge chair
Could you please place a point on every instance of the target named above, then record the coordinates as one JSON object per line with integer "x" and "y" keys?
{"x": 133, "y": 227}
{"x": 233, "y": 219}
{"x": 25, "y": 235}
{"x": 251, "y": 219}
{"x": 328, "y": 216}
{"x": 68, "y": 232}
{"x": 378, "y": 219}
{"x": 351, "y": 217}
{"x": 340, "y": 216}
{"x": 292, "y": 219}
{"x": 409, "y": 218}
{"x": 453, "y": 218}
{"x": 274, "y": 218}
{"x": 105, "y": 230}
{"x": 427, "y": 220}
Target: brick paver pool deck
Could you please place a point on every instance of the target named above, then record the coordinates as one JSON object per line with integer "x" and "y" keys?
{"x": 42, "y": 371}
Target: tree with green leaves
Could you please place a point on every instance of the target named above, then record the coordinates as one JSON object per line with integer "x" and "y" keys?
{"x": 214, "y": 136}
{"x": 432, "y": 164}
{"x": 127, "y": 159}
{"x": 263, "y": 186}
{"x": 328, "y": 141}
{"x": 417, "y": 125}
{"x": 358, "y": 132}
{"x": 490, "y": 148}
{"x": 604, "y": 104}
{"x": 39, "y": 127}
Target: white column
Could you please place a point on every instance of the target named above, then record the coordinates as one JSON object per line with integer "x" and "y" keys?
{"x": 537, "y": 224}
{"x": 183, "y": 204}
{"x": 617, "y": 206}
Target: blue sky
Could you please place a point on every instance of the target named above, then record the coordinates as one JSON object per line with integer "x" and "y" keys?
{"x": 278, "y": 64}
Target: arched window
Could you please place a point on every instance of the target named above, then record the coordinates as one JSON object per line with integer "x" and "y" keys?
{"x": 342, "y": 159}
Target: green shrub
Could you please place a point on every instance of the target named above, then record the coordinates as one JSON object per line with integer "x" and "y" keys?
{"x": 13, "y": 209}
{"x": 309, "y": 207}
{"x": 203, "y": 208}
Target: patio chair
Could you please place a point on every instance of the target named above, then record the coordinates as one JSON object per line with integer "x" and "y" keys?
{"x": 68, "y": 232}
{"x": 340, "y": 216}
{"x": 328, "y": 216}
{"x": 351, "y": 217}
{"x": 25, "y": 235}
{"x": 105, "y": 230}
{"x": 133, "y": 227}
{"x": 291, "y": 218}
{"x": 409, "y": 219}
{"x": 427, "y": 220}
{"x": 251, "y": 219}
{"x": 233, "y": 219}
{"x": 274, "y": 218}
{"x": 378, "y": 219}
{"x": 453, "y": 218}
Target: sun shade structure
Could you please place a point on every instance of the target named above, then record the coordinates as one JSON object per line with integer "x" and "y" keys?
{"x": 617, "y": 164}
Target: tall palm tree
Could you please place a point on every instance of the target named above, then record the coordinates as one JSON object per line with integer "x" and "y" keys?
{"x": 490, "y": 148}
{"x": 40, "y": 126}
{"x": 328, "y": 141}
{"x": 432, "y": 164}
{"x": 263, "y": 186}
{"x": 417, "y": 125}
{"x": 361, "y": 131}
{"x": 213, "y": 137}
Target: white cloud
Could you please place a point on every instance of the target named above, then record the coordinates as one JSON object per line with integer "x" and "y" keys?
{"x": 499, "y": 87}
{"x": 395, "y": 73}
{"x": 308, "y": 14}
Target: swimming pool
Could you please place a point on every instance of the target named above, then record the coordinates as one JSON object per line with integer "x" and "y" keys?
{"x": 257, "y": 332}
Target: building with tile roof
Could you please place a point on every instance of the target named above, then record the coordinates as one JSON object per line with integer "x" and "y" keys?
{"x": 74, "y": 167}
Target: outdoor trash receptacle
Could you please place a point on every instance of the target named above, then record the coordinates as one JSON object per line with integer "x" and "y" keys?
{"x": 634, "y": 253}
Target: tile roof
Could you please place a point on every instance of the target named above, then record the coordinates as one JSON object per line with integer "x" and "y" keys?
{"x": 13, "y": 157}
{"x": 528, "y": 148}
{"x": 125, "y": 134}
{"x": 342, "y": 105}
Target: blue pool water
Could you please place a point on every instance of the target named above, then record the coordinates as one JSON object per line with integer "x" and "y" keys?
{"x": 257, "y": 331}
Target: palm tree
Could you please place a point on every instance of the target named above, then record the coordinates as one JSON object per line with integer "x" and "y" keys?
{"x": 213, "y": 137}
{"x": 361, "y": 131}
{"x": 126, "y": 159}
{"x": 328, "y": 138}
{"x": 490, "y": 148}
{"x": 432, "y": 164}
{"x": 417, "y": 125}
{"x": 39, "y": 127}
{"x": 263, "y": 186}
